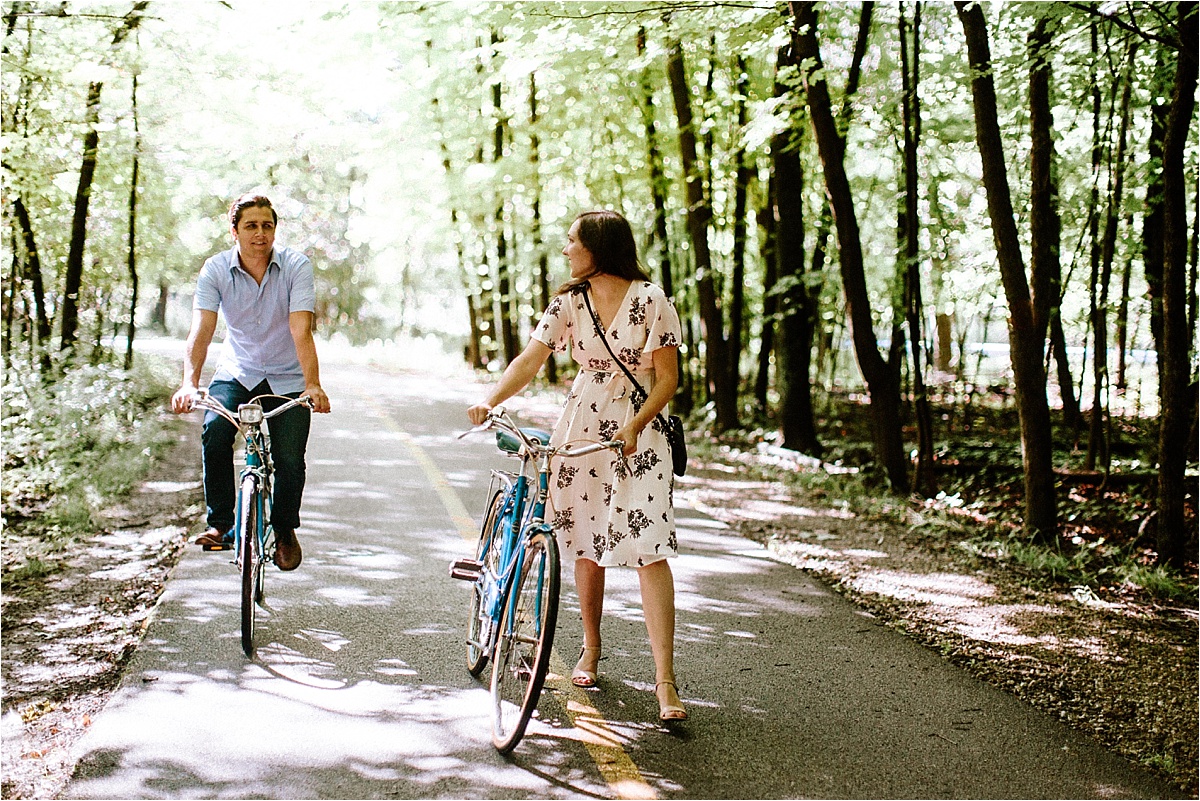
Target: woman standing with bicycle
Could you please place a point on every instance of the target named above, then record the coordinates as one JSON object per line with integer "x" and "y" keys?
{"x": 612, "y": 510}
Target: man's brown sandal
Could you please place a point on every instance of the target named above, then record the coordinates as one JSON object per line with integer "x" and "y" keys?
{"x": 213, "y": 540}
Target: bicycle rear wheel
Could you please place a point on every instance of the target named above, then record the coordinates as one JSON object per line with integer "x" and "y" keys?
{"x": 522, "y": 655}
{"x": 251, "y": 565}
{"x": 487, "y": 551}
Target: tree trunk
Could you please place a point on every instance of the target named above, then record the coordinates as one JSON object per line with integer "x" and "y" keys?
{"x": 766, "y": 338}
{"x": 1123, "y": 314}
{"x": 882, "y": 380}
{"x": 1098, "y": 443}
{"x": 924, "y": 480}
{"x": 1152, "y": 221}
{"x": 506, "y": 313}
{"x": 699, "y": 214}
{"x": 543, "y": 261}
{"x": 658, "y": 181}
{"x": 743, "y": 175}
{"x": 73, "y": 282}
{"x": 132, "y": 261}
{"x": 1025, "y": 338}
{"x": 1175, "y": 406}
{"x": 1045, "y": 222}
{"x": 793, "y": 353}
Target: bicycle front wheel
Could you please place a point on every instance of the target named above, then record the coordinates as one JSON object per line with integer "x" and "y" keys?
{"x": 487, "y": 552}
{"x": 248, "y": 559}
{"x": 522, "y": 655}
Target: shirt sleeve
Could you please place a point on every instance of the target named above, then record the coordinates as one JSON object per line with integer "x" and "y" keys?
{"x": 555, "y": 328}
{"x": 664, "y": 330}
{"x": 208, "y": 290}
{"x": 302, "y": 294}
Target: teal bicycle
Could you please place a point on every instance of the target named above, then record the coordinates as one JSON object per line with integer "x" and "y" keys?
{"x": 515, "y": 577}
{"x": 254, "y": 539}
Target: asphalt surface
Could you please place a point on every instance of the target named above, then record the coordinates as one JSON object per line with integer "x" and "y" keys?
{"x": 359, "y": 690}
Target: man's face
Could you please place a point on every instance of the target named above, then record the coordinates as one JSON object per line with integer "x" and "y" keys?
{"x": 255, "y": 232}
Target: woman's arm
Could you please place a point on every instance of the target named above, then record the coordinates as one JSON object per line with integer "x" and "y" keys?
{"x": 519, "y": 373}
{"x": 666, "y": 381}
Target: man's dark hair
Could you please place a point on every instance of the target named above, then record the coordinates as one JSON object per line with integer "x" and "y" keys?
{"x": 250, "y": 201}
{"x": 609, "y": 238}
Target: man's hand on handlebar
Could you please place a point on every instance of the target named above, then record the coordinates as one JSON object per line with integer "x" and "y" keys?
{"x": 320, "y": 401}
{"x": 184, "y": 399}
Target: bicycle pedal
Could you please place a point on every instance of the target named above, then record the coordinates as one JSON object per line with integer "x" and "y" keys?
{"x": 228, "y": 546}
{"x": 466, "y": 569}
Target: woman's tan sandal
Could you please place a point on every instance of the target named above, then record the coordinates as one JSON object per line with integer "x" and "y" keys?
{"x": 586, "y": 678}
{"x": 669, "y": 713}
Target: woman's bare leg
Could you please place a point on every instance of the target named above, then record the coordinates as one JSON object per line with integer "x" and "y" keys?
{"x": 589, "y": 583}
{"x": 658, "y": 606}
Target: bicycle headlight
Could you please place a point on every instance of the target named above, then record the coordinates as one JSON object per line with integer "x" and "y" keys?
{"x": 250, "y": 414}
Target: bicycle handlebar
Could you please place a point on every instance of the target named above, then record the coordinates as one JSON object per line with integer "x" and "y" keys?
{"x": 203, "y": 400}
{"x": 498, "y": 418}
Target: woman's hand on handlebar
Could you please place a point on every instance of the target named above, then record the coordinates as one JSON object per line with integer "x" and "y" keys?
{"x": 478, "y": 413}
{"x": 629, "y": 435}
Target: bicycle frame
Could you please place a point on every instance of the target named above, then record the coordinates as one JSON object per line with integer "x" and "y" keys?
{"x": 514, "y": 610}
{"x": 253, "y": 498}
{"x": 257, "y": 464}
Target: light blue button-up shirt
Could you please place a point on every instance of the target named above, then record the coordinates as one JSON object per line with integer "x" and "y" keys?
{"x": 258, "y": 344}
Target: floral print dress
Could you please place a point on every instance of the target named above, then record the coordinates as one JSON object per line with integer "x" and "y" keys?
{"x": 615, "y": 510}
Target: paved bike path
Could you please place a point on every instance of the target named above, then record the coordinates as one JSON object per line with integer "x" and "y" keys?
{"x": 359, "y": 690}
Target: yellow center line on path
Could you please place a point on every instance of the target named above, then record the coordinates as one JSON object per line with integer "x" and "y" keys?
{"x": 602, "y": 742}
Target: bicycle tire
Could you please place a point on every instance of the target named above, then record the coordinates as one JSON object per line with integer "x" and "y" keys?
{"x": 522, "y": 656}
{"x": 487, "y": 551}
{"x": 248, "y": 558}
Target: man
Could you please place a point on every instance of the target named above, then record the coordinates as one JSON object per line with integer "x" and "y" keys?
{"x": 267, "y": 297}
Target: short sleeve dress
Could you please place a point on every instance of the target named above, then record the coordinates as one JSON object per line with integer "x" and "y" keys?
{"x": 614, "y": 510}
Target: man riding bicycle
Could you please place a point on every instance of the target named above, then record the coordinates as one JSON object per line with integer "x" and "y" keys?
{"x": 267, "y": 296}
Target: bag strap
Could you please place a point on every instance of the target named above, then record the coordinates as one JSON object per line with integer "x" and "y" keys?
{"x": 604, "y": 338}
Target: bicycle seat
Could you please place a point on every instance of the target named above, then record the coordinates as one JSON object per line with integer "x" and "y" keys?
{"x": 507, "y": 442}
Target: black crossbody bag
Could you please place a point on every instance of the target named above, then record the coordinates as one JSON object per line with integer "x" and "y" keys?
{"x": 673, "y": 426}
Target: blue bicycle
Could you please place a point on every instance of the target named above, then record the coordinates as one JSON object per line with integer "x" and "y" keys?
{"x": 515, "y": 577}
{"x": 254, "y": 539}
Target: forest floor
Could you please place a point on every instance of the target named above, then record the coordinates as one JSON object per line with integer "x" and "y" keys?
{"x": 1122, "y": 669}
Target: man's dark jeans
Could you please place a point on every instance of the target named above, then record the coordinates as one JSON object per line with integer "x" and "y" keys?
{"x": 289, "y": 437}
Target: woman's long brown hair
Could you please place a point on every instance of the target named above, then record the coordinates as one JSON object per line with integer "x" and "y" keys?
{"x": 609, "y": 238}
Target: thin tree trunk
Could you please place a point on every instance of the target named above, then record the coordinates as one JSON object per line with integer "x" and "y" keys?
{"x": 543, "y": 261}
{"x": 924, "y": 480}
{"x": 1025, "y": 339}
{"x": 1045, "y": 223}
{"x": 882, "y": 380}
{"x": 506, "y": 314}
{"x": 699, "y": 214}
{"x": 1175, "y": 406}
{"x": 12, "y": 291}
{"x": 133, "y": 274}
{"x": 658, "y": 181}
{"x": 1123, "y": 315}
{"x": 766, "y": 338}
{"x": 743, "y": 175}
{"x": 1152, "y": 221}
{"x": 73, "y": 282}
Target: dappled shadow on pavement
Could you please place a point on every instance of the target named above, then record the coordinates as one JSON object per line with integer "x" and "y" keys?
{"x": 359, "y": 688}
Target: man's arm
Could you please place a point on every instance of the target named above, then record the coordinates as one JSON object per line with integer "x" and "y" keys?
{"x": 195, "y": 353}
{"x": 300, "y": 324}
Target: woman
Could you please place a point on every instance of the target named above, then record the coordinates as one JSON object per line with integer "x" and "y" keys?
{"x": 611, "y": 510}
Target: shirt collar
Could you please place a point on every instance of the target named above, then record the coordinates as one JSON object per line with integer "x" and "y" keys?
{"x": 235, "y": 259}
